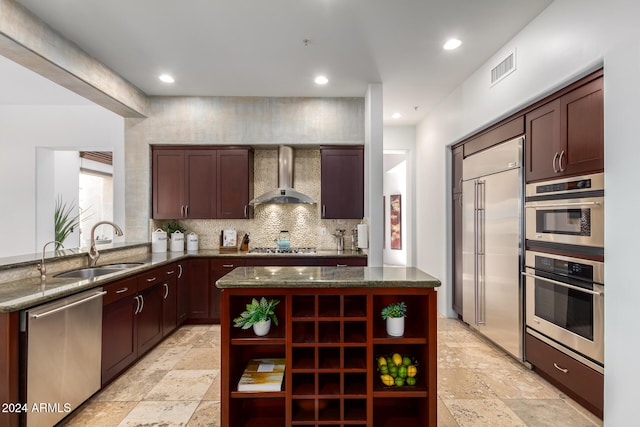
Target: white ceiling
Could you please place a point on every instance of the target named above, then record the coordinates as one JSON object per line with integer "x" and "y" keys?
{"x": 255, "y": 47}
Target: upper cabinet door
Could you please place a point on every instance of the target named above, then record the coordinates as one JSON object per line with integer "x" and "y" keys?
{"x": 542, "y": 141}
{"x": 235, "y": 183}
{"x": 168, "y": 176}
{"x": 565, "y": 137}
{"x": 342, "y": 182}
{"x": 582, "y": 130}
{"x": 201, "y": 184}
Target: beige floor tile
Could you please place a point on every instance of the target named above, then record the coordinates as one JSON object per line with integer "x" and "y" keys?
{"x": 462, "y": 383}
{"x": 182, "y": 385}
{"x": 165, "y": 414}
{"x": 199, "y": 358}
{"x": 207, "y": 414}
{"x": 162, "y": 358}
{"x": 130, "y": 387}
{"x": 445, "y": 419}
{"x": 208, "y": 339}
{"x": 99, "y": 414}
{"x": 214, "y": 390}
{"x": 516, "y": 384}
{"x": 482, "y": 413}
{"x": 548, "y": 413}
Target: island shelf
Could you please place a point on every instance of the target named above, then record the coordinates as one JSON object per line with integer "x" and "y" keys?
{"x": 330, "y": 334}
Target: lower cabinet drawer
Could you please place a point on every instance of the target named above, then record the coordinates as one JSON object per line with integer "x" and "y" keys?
{"x": 579, "y": 381}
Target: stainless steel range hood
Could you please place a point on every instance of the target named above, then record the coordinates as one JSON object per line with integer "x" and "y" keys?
{"x": 284, "y": 194}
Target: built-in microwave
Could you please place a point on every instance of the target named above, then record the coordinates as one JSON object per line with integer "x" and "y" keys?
{"x": 566, "y": 211}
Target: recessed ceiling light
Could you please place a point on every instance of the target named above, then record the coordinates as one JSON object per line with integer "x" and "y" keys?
{"x": 452, "y": 44}
{"x": 321, "y": 80}
{"x": 396, "y": 115}
{"x": 166, "y": 78}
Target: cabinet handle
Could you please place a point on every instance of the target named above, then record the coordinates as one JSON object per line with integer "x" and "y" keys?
{"x": 246, "y": 211}
{"x": 179, "y": 271}
{"x": 137, "y": 305}
{"x": 323, "y": 210}
{"x": 563, "y": 370}
{"x": 151, "y": 279}
{"x": 170, "y": 272}
{"x": 141, "y": 303}
{"x": 341, "y": 265}
{"x": 553, "y": 162}
{"x": 186, "y": 211}
{"x": 122, "y": 290}
{"x": 227, "y": 265}
{"x": 182, "y": 211}
{"x": 560, "y": 161}
{"x": 166, "y": 290}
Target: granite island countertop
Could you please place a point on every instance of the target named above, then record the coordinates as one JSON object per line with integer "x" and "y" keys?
{"x": 327, "y": 277}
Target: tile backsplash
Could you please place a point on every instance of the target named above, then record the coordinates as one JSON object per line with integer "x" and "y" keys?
{"x": 303, "y": 222}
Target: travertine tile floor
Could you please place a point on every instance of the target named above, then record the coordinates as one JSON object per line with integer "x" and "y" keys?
{"x": 178, "y": 383}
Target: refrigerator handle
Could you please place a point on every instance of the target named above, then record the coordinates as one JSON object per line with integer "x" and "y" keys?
{"x": 480, "y": 291}
{"x": 476, "y": 243}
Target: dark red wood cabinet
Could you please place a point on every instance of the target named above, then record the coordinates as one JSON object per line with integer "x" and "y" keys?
{"x": 330, "y": 339}
{"x": 202, "y": 182}
{"x": 119, "y": 337}
{"x": 199, "y": 288}
{"x": 582, "y": 383}
{"x": 182, "y": 290}
{"x": 565, "y": 137}
{"x": 218, "y": 268}
{"x": 234, "y": 183}
{"x": 342, "y": 182}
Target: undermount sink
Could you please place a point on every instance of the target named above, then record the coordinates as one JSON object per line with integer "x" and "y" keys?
{"x": 88, "y": 273}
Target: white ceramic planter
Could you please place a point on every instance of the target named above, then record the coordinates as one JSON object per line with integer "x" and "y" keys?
{"x": 262, "y": 328}
{"x": 395, "y": 326}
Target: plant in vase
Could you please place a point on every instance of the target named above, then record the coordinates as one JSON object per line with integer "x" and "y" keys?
{"x": 394, "y": 314}
{"x": 258, "y": 315}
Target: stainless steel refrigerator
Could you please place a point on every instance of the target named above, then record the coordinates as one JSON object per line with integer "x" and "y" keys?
{"x": 492, "y": 244}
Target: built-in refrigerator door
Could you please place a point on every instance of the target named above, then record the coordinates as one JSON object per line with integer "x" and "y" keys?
{"x": 499, "y": 290}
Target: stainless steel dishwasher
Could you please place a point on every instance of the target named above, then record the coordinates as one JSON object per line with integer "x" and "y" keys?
{"x": 64, "y": 348}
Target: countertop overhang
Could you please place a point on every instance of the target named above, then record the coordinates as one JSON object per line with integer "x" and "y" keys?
{"x": 327, "y": 277}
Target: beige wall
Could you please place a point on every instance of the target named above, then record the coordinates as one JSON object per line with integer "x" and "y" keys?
{"x": 261, "y": 122}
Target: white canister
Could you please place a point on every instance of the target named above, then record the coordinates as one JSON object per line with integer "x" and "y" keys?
{"x": 159, "y": 241}
{"x": 192, "y": 241}
{"x": 363, "y": 236}
{"x": 177, "y": 241}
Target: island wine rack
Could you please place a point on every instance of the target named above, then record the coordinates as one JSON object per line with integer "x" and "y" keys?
{"x": 330, "y": 339}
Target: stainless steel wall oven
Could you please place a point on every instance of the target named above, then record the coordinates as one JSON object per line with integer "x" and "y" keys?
{"x": 565, "y": 303}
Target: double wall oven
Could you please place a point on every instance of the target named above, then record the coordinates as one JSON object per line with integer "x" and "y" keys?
{"x": 564, "y": 268}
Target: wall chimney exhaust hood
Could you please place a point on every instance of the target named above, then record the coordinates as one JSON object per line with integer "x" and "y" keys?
{"x": 284, "y": 194}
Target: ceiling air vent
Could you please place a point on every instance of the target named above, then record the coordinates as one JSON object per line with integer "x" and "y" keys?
{"x": 504, "y": 68}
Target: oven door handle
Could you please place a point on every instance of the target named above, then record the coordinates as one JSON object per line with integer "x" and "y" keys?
{"x": 555, "y": 282}
{"x": 562, "y": 205}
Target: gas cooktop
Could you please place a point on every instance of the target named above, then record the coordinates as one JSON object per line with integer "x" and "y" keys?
{"x": 294, "y": 251}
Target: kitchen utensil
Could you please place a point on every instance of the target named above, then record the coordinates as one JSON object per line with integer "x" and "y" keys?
{"x": 283, "y": 241}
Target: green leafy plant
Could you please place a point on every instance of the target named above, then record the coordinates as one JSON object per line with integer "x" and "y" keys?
{"x": 173, "y": 226}
{"x": 396, "y": 309}
{"x": 257, "y": 311}
{"x": 65, "y": 220}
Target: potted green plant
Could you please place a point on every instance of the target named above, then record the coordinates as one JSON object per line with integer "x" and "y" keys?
{"x": 258, "y": 315}
{"x": 65, "y": 220}
{"x": 394, "y": 315}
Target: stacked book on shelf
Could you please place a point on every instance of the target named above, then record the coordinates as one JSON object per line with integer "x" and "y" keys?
{"x": 262, "y": 375}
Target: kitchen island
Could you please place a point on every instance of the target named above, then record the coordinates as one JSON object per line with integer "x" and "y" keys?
{"x": 330, "y": 333}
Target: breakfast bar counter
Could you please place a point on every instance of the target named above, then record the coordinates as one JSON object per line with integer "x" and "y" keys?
{"x": 333, "y": 340}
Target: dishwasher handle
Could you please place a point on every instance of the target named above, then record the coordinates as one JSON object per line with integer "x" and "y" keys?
{"x": 64, "y": 307}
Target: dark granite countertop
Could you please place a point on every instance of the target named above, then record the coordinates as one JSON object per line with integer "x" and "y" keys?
{"x": 327, "y": 277}
{"x": 21, "y": 294}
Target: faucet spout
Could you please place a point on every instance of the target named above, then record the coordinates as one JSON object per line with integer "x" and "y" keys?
{"x": 41, "y": 267}
{"x": 93, "y": 251}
